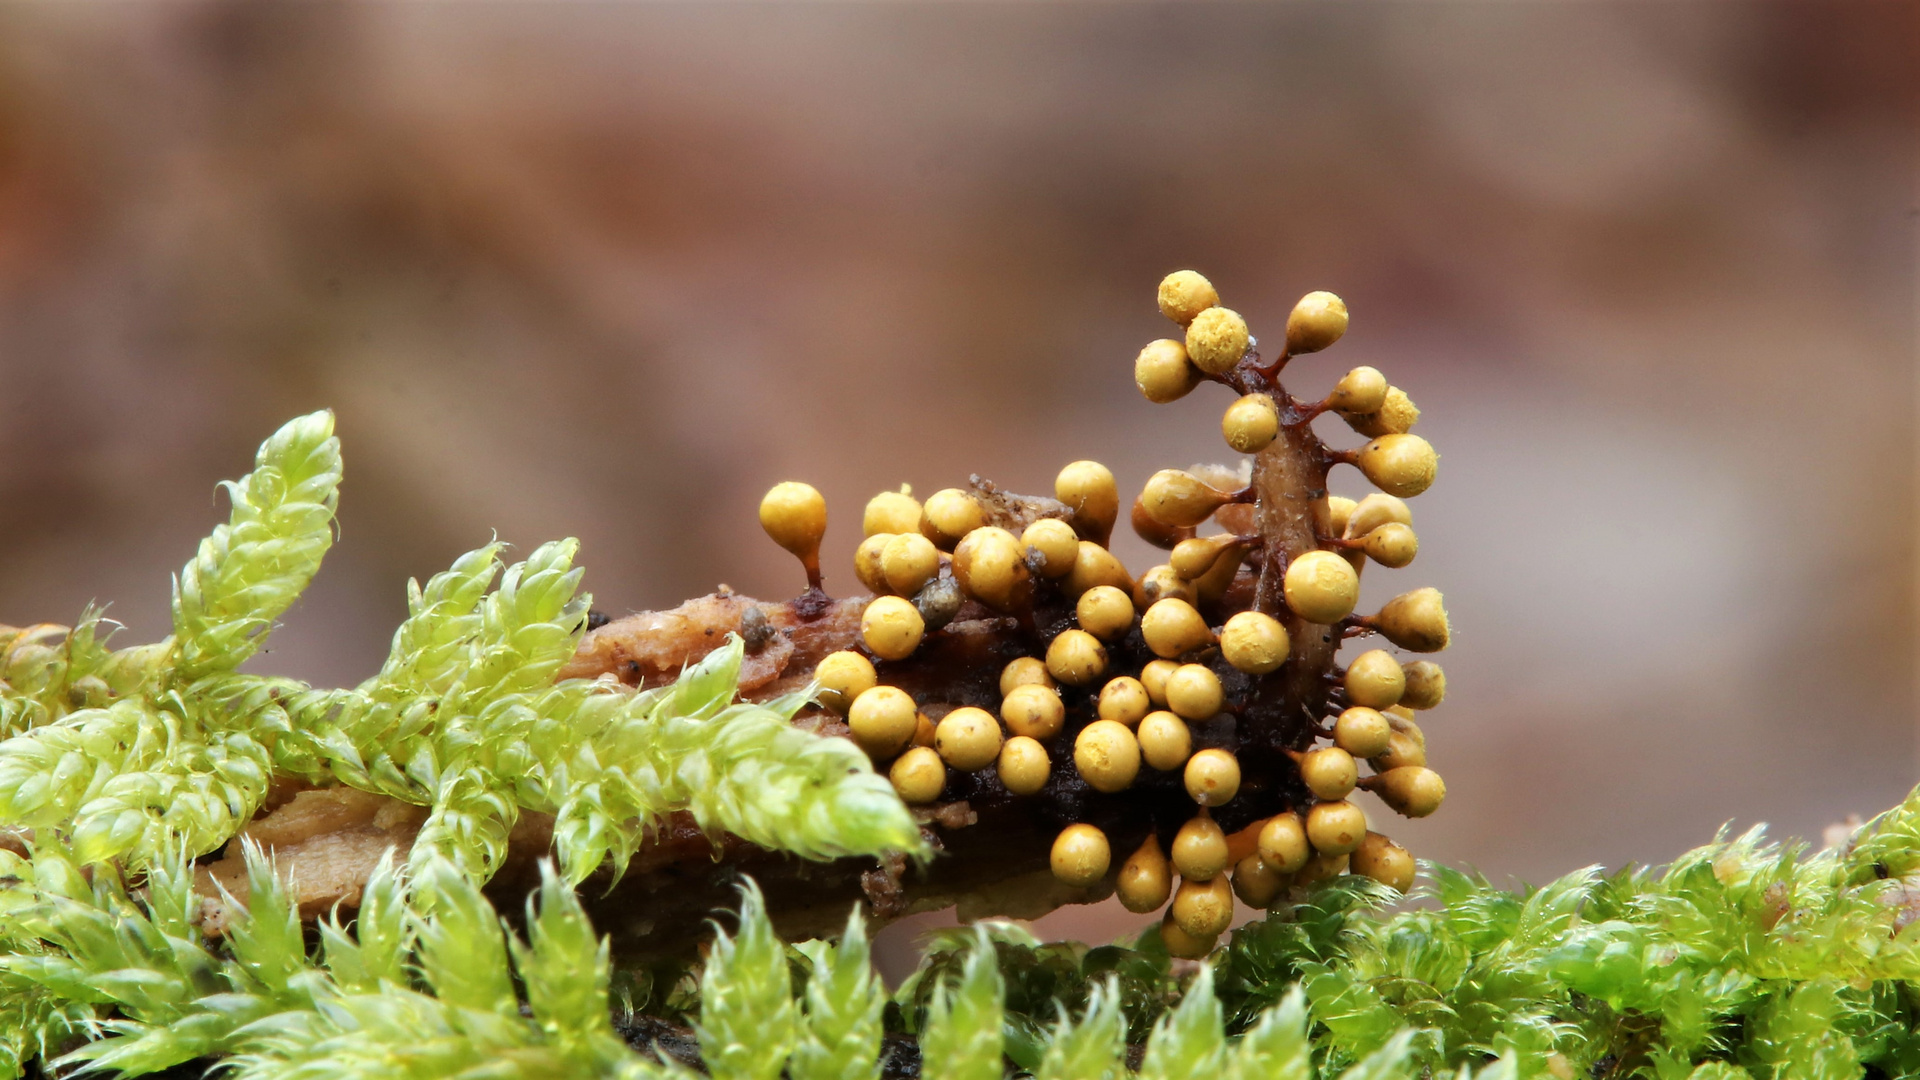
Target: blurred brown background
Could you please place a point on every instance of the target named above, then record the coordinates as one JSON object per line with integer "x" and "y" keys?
{"x": 610, "y": 271}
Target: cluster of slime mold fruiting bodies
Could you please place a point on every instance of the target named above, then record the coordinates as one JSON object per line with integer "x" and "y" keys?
{"x": 1185, "y": 734}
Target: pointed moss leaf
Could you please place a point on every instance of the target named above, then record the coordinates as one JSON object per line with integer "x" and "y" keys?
{"x": 253, "y": 567}
{"x": 748, "y": 1022}
{"x": 751, "y": 773}
{"x": 1277, "y": 1046}
{"x": 380, "y": 940}
{"x": 467, "y": 826}
{"x": 1387, "y": 1063}
{"x": 705, "y": 688}
{"x": 462, "y": 949}
{"x": 171, "y": 902}
{"x": 787, "y": 706}
{"x": 269, "y": 946}
{"x": 962, "y": 1039}
{"x": 564, "y": 967}
{"x": 430, "y": 649}
{"x": 528, "y": 626}
{"x": 1189, "y": 1041}
{"x": 1094, "y": 1048}
{"x": 845, "y": 1001}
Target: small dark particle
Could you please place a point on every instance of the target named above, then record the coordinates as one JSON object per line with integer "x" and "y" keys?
{"x": 1035, "y": 561}
{"x": 810, "y": 605}
{"x": 597, "y": 619}
{"x": 938, "y": 601}
{"x": 755, "y": 630}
